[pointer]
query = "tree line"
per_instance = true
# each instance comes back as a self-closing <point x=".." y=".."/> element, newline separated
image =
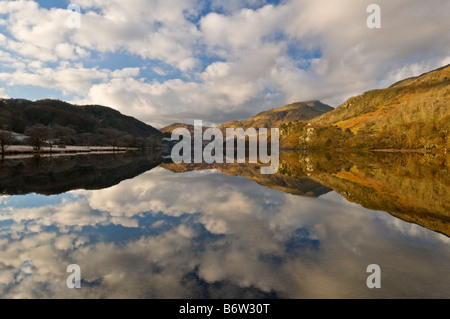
<point x="54" y="123"/>
<point x="40" y="135"/>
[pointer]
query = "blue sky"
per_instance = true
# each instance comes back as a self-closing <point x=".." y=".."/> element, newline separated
<point x="181" y="60"/>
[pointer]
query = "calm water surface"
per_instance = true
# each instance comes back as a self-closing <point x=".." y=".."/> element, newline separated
<point x="206" y="234"/>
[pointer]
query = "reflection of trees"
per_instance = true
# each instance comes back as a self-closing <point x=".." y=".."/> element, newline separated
<point x="55" y="175"/>
<point x="36" y="162"/>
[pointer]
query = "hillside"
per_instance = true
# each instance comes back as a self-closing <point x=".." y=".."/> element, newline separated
<point x="167" y="130"/>
<point x="79" y="124"/>
<point x="411" y="114"/>
<point x="273" y="118"/>
<point x="170" y="128"/>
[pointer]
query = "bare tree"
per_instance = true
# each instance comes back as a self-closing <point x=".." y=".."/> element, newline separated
<point x="63" y="135"/>
<point x="86" y="139"/>
<point x="140" y="143"/>
<point x="37" y="135"/>
<point x="126" y="140"/>
<point x="6" y="139"/>
<point x="99" y="140"/>
<point x="113" y="136"/>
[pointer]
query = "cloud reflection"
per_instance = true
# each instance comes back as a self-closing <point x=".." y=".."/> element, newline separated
<point x="208" y="235"/>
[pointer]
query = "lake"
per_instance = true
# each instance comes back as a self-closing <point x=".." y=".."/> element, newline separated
<point x="139" y="226"/>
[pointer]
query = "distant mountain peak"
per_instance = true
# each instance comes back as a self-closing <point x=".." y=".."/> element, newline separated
<point x="273" y="118"/>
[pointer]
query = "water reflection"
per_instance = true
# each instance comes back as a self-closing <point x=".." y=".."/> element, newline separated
<point x="413" y="187"/>
<point x="51" y="175"/>
<point x="205" y="234"/>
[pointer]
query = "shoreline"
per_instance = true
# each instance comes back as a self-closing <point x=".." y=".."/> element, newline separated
<point x="19" y="151"/>
<point x="44" y="155"/>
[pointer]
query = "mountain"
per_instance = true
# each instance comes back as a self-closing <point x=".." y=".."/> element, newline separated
<point x="410" y="114"/>
<point x="273" y="118"/>
<point x="17" y="115"/>
<point x="167" y="130"/>
<point x="170" y="128"/>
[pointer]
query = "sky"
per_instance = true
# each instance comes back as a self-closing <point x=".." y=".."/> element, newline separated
<point x="184" y="60"/>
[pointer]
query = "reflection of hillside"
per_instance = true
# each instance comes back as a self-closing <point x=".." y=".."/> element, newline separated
<point x="298" y="185"/>
<point x="56" y="175"/>
<point x="410" y="186"/>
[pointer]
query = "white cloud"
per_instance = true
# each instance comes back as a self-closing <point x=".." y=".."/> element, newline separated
<point x="159" y="71"/>
<point x="212" y="101"/>
<point x="65" y="77"/>
<point x="151" y="29"/>
<point x="38" y="33"/>
<point x="230" y="64"/>
<point x="124" y="73"/>
<point x="245" y="31"/>
<point x="231" y="6"/>
<point x="356" y="58"/>
<point x="3" y="94"/>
